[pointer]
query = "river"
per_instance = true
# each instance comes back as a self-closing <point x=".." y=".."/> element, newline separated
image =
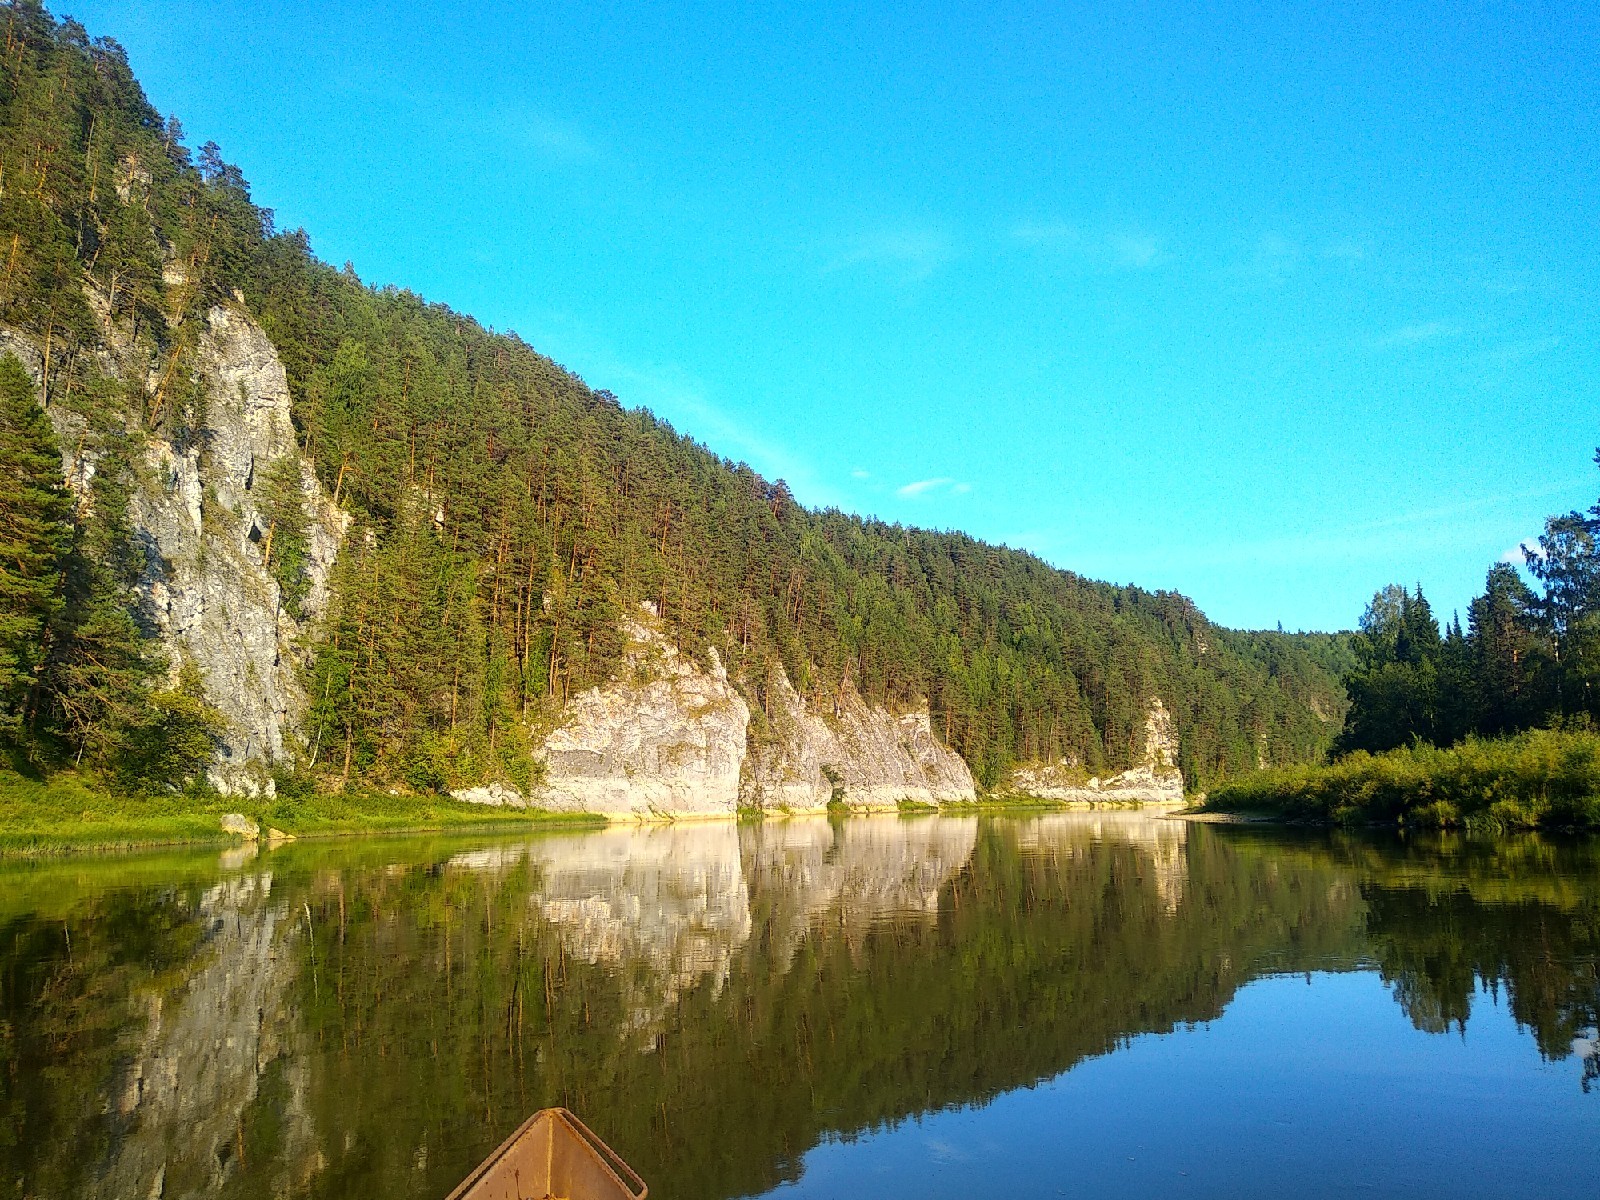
<point x="1079" y="1004"/>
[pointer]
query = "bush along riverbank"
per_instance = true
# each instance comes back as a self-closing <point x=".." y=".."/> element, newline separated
<point x="74" y="811"/>
<point x="1540" y="779"/>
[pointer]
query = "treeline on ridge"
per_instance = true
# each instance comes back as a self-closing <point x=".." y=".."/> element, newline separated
<point x="507" y="517"/>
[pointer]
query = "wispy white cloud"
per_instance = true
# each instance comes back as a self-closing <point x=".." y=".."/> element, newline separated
<point x="858" y="473"/>
<point x="912" y="253"/>
<point x="1273" y="258"/>
<point x="1490" y="368"/>
<point x="1509" y="353"/>
<point x="1412" y="335"/>
<point x="1345" y="250"/>
<point x="1120" y="249"/>
<point x="942" y="483"/>
<point x="564" y="141"/>
<point x="1522" y="553"/>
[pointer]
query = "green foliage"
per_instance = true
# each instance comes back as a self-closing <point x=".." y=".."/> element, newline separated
<point x="1525" y="660"/>
<point x="286" y="543"/>
<point x="169" y="741"/>
<point x="35" y="533"/>
<point x="1542" y="778"/>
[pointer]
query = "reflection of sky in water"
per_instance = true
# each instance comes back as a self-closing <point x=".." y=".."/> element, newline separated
<point x="1320" y="1090"/>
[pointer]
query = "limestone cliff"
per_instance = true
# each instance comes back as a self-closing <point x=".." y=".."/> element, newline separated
<point x="870" y="757"/>
<point x="1156" y="780"/>
<point x="206" y="585"/>
<point x="205" y="589"/>
<point x="664" y="739"/>
<point x="668" y="738"/>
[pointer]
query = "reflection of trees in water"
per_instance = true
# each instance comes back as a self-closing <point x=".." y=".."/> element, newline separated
<point x="780" y="982"/>
<point x="1439" y="947"/>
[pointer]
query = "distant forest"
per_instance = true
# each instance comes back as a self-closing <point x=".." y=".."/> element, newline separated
<point x="505" y="515"/>
<point x="1524" y="659"/>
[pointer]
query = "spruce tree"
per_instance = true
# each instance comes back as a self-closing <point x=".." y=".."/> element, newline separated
<point x="35" y="535"/>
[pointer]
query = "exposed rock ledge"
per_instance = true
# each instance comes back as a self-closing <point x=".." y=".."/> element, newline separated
<point x="664" y="739"/>
<point x="206" y="590"/>
<point x="1154" y="781"/>
<point x="871" y="757"/>
<point x="669" y="739"/>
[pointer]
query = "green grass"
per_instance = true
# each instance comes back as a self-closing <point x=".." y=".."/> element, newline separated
<point x="72" y="812"/>
<point x="1541" y="779"/>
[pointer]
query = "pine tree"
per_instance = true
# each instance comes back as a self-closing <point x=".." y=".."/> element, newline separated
<point x="35" y="534"/>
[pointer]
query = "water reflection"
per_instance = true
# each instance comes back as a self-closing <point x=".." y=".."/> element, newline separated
<point x="365" y="1019"/>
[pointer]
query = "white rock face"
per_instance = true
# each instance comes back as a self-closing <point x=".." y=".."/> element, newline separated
<point x="206" y="587"/>
<point x="205" y="590"/>
<point x="668" y="739"/>
<point x="1154" y="781"/>
<point x="494" y="795"/>
<point x="874" y="758"/>
<point x="665" y="739"/>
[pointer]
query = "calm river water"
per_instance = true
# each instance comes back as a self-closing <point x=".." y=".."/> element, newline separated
<point x="1083" y="1004"/>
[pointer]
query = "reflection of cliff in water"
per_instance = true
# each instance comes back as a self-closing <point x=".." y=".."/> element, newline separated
<point x="717" y="997"/>
<point x="207" y="1049"/>
<point x="843" y="878"/>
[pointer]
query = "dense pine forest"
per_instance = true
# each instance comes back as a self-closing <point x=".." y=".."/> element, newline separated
<point x="505" y="516"/>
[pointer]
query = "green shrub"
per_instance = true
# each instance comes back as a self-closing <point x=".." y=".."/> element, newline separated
<point x="1543" y="778"/>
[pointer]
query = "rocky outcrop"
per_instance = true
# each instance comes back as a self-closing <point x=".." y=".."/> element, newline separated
<point x="196" y="509"/>
<point x="493" y="795"/>
<point x="1156" y="780"/>
<point x="665" y="739"/>
<point x="669" y="738"/>
<point x="206" y="587"/>
<point x="859" y="755"/>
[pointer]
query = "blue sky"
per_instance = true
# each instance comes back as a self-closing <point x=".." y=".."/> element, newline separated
<point x="1272" y="304"/>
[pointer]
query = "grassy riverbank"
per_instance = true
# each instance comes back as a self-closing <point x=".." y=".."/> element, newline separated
<point x="1540" y="779"/>
<point x="72" y="812"/>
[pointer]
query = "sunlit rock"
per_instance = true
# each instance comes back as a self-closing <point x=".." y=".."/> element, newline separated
<point x="665" y="738"/>
<point x="857" y="754"/>
<point x="1155" y="780"/>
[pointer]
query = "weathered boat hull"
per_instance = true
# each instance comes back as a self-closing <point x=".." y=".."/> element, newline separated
<point x="553" y="1156"/>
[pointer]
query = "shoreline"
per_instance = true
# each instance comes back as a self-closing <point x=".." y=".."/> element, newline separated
<point x="68" y="816"/>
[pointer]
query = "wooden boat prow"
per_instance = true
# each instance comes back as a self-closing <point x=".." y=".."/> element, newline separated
<point x="554" y="1156"/>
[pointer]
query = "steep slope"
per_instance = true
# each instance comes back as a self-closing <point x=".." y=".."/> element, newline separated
<point x="505" y="520"/>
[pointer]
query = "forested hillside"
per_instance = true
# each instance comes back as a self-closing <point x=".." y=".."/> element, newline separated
<point x="505" y="515"/>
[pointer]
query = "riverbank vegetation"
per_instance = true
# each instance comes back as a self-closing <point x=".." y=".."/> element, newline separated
<point x="1492" y="724"/>
<point x="74" y="811"/>
<point x="1541" y="778"/>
